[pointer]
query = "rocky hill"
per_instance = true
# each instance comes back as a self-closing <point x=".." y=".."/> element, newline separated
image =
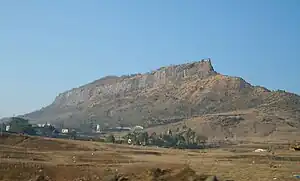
<point x="169" y="94"/>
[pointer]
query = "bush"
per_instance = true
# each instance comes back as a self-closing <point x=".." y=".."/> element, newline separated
<point x="110" y="139"/>
<point x="20" y="125"/>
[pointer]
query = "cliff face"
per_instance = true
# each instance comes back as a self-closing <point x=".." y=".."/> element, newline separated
<point x="119" y="86"/>
<point x="163" y="96"/>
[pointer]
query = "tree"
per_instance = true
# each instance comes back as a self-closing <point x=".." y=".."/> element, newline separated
<point x="153" y="135"/>
<point x="73" y="134"/>
<point x="48" y="130"/>
<point x="187" y="136"/>
<point x="169" y="132"/>
<point x="152" y="139"/>
<point x="145" y="137"/>
<point x="180" y="140"/>
<point x="2" y="128"/>
<point x="133" y="137"/>
<point x="140" y="139"/>
<point x="20" y="125"/>
<point x="193" y="137"/>
<point x="111" y="138"/>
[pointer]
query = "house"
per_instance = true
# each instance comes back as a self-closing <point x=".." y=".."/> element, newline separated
<point x="98" y="128"/>
<point x="65" y="130"/>
<point x="7" y="127"/>
<point x="43" y="125"/>
<point x="126" y="128"/>
<point x="119" y="128"/>
<point x="138" y="128"/>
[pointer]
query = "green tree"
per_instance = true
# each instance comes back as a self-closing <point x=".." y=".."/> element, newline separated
<point x="153" y="135"/>
<point x="2" y="128"/>
<point x="187" y="136"/>
<point x="169" y="132"/>
<point x="48" y="130"/>
<point x="142" y="138"/>
<point x="73" y="134"/>
<point x="20" y="125"/>
<point x="180" y="140"/>
<point x="145" y="137"/>
<point x="193" y="137"/>
<point x="152" y="138"/>
<point x="111" y="138"/>
<point x="133" y="137"/>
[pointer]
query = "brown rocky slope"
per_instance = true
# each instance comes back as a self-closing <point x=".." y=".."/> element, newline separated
<point x="167" y="95"/>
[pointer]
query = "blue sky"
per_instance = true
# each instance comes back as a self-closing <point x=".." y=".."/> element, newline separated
<point x="47" y="47"/>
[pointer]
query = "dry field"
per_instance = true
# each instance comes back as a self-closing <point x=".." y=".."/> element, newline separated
<point x="41" y="159"/>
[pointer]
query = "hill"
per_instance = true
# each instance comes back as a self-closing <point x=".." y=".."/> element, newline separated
<point x="172" y="94"/>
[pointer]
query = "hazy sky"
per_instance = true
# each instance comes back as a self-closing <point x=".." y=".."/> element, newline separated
<point x="47" y="47"/>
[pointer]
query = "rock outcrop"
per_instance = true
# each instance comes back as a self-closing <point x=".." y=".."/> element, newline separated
<point x="119" y="86"/>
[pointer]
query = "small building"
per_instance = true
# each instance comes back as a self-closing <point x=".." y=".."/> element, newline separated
<point x="126" y="128"/>
<point x="138" y="128"/>
<point x="98" y="128"/>
<point x="65" y="130"/>
<point x="123" y="128"/>
<point x="7" y="127"/>
<point x="43" y="125"/>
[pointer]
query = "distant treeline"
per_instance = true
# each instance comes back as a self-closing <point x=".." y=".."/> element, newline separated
<point x="185" y="139"/>
<point x="22" y="126"/>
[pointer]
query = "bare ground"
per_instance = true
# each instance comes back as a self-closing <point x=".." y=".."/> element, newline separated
<point x="33" y="158"/>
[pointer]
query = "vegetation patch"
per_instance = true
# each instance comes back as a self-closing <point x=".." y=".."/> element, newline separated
<point x="182" y="139"/>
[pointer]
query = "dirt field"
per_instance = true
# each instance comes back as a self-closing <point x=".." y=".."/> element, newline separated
<point x="40" y="159"/>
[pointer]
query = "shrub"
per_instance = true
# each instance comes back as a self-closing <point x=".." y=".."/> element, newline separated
<point x="111" y="139"/>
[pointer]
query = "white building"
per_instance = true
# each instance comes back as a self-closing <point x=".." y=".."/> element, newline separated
<point x="138" y="128"/>
<point x="7" y="128"/>
<point x="43" y="125"/>
<point x="65" y="130"/>
<point x="98" y="128"/>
